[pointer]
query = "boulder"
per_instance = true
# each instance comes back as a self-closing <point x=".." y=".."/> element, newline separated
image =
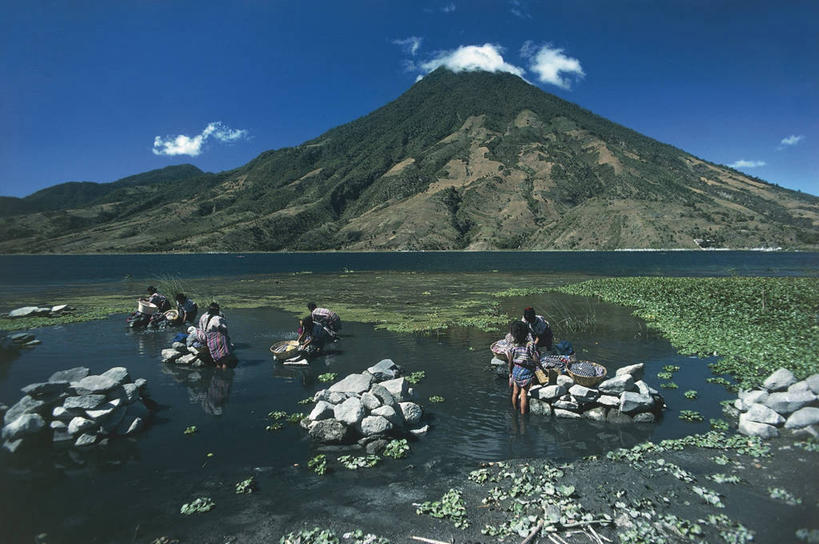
<point x="85" y="402"/>
<point x="565" y="414"/>
<point x="632" y="403"/>
<point x="98" y="413"/>
<point x="618" y="384"/>
<point x="760" y="413"/>
<point x="389" y="413"/>
<point x="566" y="404"/>
<point x="71" y="375"/>
<point x="23" y="425"/>
<point x="186" y="359"/>
<point x="61" y="413"/>
<point x="329" y="431"/>
<point x="85" y="440"/>
<point x="644" y="389"/>
<point x="786" y="403"/>
<point x="375" y="425"/>
<point x="539" y="407"/>
<point x="635" y="371"/>
<point x="741" y="405"/>
<point x="583" y="394"/>
<point x="370" y="401"/>
<point x="811" y="431"/>
<point x="645" y="417"/>
<point x="398" y="388"/>
<point x="25" y="405"/>
<point x="119" y="374"/>
<point x="752" y="428"/>
<point x="411" y="413"/>
<point x="61" y="308"/>
<point x="419" y="431"/>
<point x="91" y="385"/>
<point x="333" y="397"/>
<point x="565" y="381"/>
<point x="25" y="311"/>
<point x="779" y="380"/>
<point x="383" y="395"/>
<point x="616" y="416"/>
<point x="349" y="412"/>
<point x="499" y="362"/>
<point x="385" y="369"/>
<point x="141" y="384"/>
<point x="799" y="386"/>
<point x="803" y="417"/>
<point x="551" y="392"/>
<point x="595" y="414"/>
<point x="131" y="392"/>
<point x="753" y="397"/>
<point x="58" y="425"/>
<point x="608" y="401"/>
<point x="322" y="410"/>
<point x="354" y="383"/>
<point x="134" y="426"/>
<point x="80" y="424"/>
<point x="813" y="383"/>
<point x="45" y="389"/>
<point x="179" y="346"/>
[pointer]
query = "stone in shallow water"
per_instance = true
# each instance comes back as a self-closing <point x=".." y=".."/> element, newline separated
<point x="752" y="428"/>
<point x="752" y="397"/>
<point x="131" y="392"/>
<point x="99" y="413"/>
<point x="566" y="414"/>
<point x="779" y="380"/>
<point x="786" y="403"/>
<point x="609" y="401"/>
<point x="80" y="424"/>
<point x="583" y="394"/>
<point x="803" y="417"/>
<point x="328" y="431"/>
<point x="631" y="403"/>
<point x="24" y="311"/>
<point x="420" y="431"/>
<point x="85" y="402"/>
<point x="385" y="369"/>
<point x="58" y="425"/>
<point x="551" y="392"/>
<point x="539" y="408"/>
<point x="617" y="384"/>
<point x="759" y="413"/>
<point x="617" y="417"/>
<point x="45" y="389"/>
<point x="12" y="446"/>
<point x="563" y="404"/>
<point x="119" y="374"/>
<point x="398" y="388"/>
<point x="595" y="414"/>
<point x="141" y="383"/>
<point x="373" y="425"/>
<point x="383" y="395"/>
<point x="645" y="417"/>
<point x="411" y="412"/>
<point x="85" y="440"/>
<point x="71" y="375"/>
<point x="25" y="424"/>
<point x="25" y="405"/>
<point x="322" y="410"/>
<point x="354" y="383"/>
<point x="350" y="411"/>
<point x="635" y="371"/>
<point x="389" y="413"/>
<point x="170" y="355"/>
<point x="94" y="385"/>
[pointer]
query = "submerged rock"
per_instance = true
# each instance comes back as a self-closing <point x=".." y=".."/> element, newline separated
<point x="411" y="413"/>
<point x="25" y="424"/>
<point x="328" y="431"/>
<point x="595" y="414"/>
<point x="645" y="417"/>
<point x="45" y="389"/>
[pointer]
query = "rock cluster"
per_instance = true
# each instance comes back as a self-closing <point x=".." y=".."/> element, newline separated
<point x="782" y="401"/>
<point x="17" y="340"/>
<point x="38" y="311"/>
<point x="180" y="354"/>
<point x="76" y="409"/>
<point x="366" y="408"/>
<point x="624" y="398"/>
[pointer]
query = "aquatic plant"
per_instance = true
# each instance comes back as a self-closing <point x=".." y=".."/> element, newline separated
<point x="669" y="385"/>
<point x="316" y="535"/>
<point x="721" y="460"/>
<point x="190" y="429"/>
<point x="777" y="493"/>
<point x="808" y="535"/>
<point x="691" y="394"/>
<point x="690" y="415"/>
<point x="277" y="426"/>
<point x="397" y="449"/>
<point x="308" y="400"/>
<point x="246" y="486"/>
<point x="359" y="537"/>
<point x="318" y="464"/>
<point x="451" y="506"/>
<point x="202" y="504"/>
<point x="807" y="446"/>
<point x="295" y="417"/>
<point x="730" y="531"/>
<point x="719" y="380"/>
<point x="721" y="478"/>
<point x="415" y="377"/>
<point x="354" y="463"/>
<point x="436" y="399"/>
<point x="277" y="414"/>
<point x="709" y="496"/>
<point x="719" y="424"/>
<point x="327" y="376"/>
<point x="664" y="375"/>
<point x="671" y="368"/>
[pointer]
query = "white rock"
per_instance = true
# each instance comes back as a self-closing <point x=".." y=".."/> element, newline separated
<point x="760" y="413"/>
<point x="349" y="412"/>
<point x="136" y="425"/>
<point x="119" y="374"/>
<point x="779" y="380"/>
<point x="411" y="412"/>
<point x="752" y="428"/>
<point x="131" y="392"/>
<point x="179" y="346"/>
<point x="389" y="413"/>
<point x="813" y="383"/>
<point x="539" y="407"/>
<point x="71" y="375"/>
<point x="753" y="397"/>
<point x="583" y="394"/>
<point x="170" y="355"/>
<point x="645" y="417"/>
<point x="58" y="425"/>
<point x="370" y="401"/>
<point x="25" y="311"/>
<point x="25" y="405"/>
<point x="595" y="414"/>
<point x="803" y="417"/>
<point x="618" y="384"/>
<point x="420" y="431"/>
<point x="23" y="425"/>
<point x="186" y="359"/>
<point x="785" y="403"/>
<point x="565" y="414"/>
<point x="85" y="440"/>
<point x="385" y="369"/>
<point x="84" y="402"/>
<point x="609" y="401"/>
<point x="566" y="405"/>
<point x="354" y="383"/>
<point x="383" y="395"/>
<point x="741" y="405"/>
<point x="322" y="410"/>
<point x="799" y="386"/>
<point x="644" y="389"/>
<point x="101" y="412"/>
<point x="80" y="424"/>
<point x="551" y="392"/>
<point x="565" y="381"/>
<point x="141" y="384"/>
<point x="372" y="425"/>
<point x="94" y="385"/>
<point x="498" y="362"/>
<point x="631" y="403"/>
<point x="398" y="388"/>
<point x="61" y="413"/>
<point x="635" y="371"/>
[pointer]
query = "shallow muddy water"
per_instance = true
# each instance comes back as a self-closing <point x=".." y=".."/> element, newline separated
<point x="134" y="487"/>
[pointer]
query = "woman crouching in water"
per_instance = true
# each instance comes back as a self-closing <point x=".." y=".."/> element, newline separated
<point x="523" y="360"/>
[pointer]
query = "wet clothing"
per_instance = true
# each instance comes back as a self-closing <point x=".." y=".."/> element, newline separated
<point x="160" y="302"/>
<point x="318" y="337"/>
<point x="213" y="331"/>
<point x="524" y="360"/>
<point x="541" y="330"/>
<point x="188" y="309"/>
<point x="328" y="318"/>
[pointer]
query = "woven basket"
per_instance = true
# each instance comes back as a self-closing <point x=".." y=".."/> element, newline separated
<point x="587" y="381"/>
<point x="284" y="350"/>
<point x="172" y="315"/>
<point x="499" y="354"/>
<point x="146" y="307"/>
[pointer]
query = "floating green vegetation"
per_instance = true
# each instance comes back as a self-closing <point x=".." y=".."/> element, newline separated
<point x="691" y="394"/>
<point x="354" y="463"/>
<point x="779" y="494"/>
<point x="721" y="460"/>
<point x="318" y="464"/>
<point x="316" y="535"/>
<point x="327" y="377"/>
<point x="436" y="399"/>
<point x="691" y="415"/>
<point x="277" y="414"/>
<point x="416" y="377"/>
<point x="807" y="446"/>
<point x="721" y="478"/>
<point x="246" y="486"/>
<point x="661" y="465"/>
<point x="190" y="429"/>
<point x="671" y="368"/>
<point x="295" y="417"/>
<point x="748" y="321"/>
<point x="719" y="424"/>
<point x="202" y="504"/>
<point x="709" y="496"/>
<point x="308" y="400"/>
<point x="359" y="537"/>
<point x="719" y="380"/>
<point x="732" y="532"/>
<point x="669" y="385"/>
<point x="811" y="536"/>
<point x="277" y="426"/>
<point x="397" y="449"/>
<point x="664" y="375"/>
<point x="451" y="506"/>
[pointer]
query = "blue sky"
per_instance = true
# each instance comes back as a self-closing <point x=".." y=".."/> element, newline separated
<point x="101" y="90"/>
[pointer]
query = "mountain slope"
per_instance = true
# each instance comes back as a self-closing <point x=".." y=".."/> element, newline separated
<point x="470" y="160"/>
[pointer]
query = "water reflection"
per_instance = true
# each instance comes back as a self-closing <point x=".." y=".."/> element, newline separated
<point x="208" y="387"/>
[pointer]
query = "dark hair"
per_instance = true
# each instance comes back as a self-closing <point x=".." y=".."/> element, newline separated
<point x="152" y="289"/>
<point x="519" y="331"/>
<point x="213" y="309"/>
<point x="311" y="306"/>
<point x="181" y="297"/>
<point x="307" y="323"/>
<point x="529" y="314"/>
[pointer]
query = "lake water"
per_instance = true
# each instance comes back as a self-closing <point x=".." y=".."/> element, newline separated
<point x="132" y="489"/>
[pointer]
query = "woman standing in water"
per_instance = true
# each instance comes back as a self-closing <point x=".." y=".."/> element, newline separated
<point x="523" y="359"/>
<point x="213" y="329"/>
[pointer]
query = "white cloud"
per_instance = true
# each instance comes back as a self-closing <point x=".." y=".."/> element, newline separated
<point x="470" y="58"/>
<point x="549" y="63"/>
<point x="409" y="45"/>
<point x="742" y="163"/>
<point x="449" y="8"/>
<point x="187" y="145"/>
<point x="518" y="9"/>
<point x="791" y="140"/>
